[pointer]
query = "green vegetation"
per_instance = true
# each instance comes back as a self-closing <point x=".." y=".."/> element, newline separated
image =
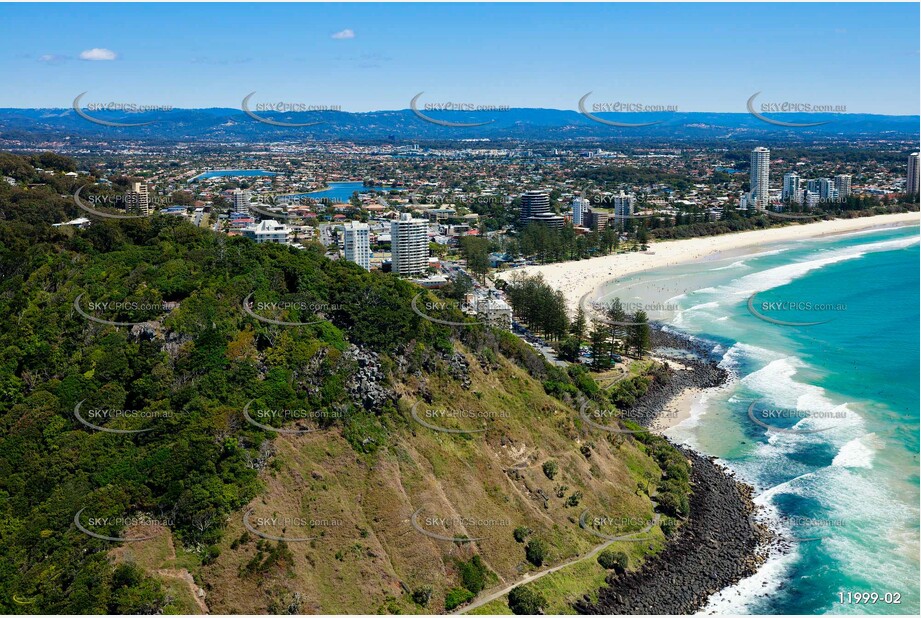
<point x="536" y="552"/>
<point x="525" y="601"/>
<point x="613" y="560"/>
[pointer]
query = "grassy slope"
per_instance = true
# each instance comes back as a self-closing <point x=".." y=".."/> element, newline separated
<point x="447" y="475"/>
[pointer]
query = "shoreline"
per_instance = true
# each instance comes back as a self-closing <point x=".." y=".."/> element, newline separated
<point x="719" y="544"/>
<point x="580" y="280"/>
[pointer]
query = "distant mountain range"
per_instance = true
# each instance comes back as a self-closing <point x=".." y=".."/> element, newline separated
<point x="229" y="125"/>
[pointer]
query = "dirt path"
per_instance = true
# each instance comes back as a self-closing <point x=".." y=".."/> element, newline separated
<point x="530" y="577"/>
<point x="197" y="593"/>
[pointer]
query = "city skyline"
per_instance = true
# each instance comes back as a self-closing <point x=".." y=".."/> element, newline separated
<point x="370" y="58"/>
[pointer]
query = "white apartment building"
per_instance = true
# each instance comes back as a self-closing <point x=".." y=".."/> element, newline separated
<point x="409" y="245"/>
<point x="268" y="230"/>
<point x="843" y="185"/>
<point x="759" y="195"/>
<point x="356" y="243"/>
<point x="241" y="201"/>
<point x="623" y="205"/>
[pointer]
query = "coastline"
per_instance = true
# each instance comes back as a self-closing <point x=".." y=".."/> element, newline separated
<point x="579" y="280"/>
<point x="720" y="544"/>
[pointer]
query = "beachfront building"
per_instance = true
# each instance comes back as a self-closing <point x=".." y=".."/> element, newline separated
<point x="268" y="230"/>
<point x="911" y="184"/>
<point x="137" y="200"/>
<point x="827" y="190"/>
<point x="759" y="195"/>
<point x="534" y="204"/>
<point x="791" y="190"/>
<point x="494" y="311"/>
<point x="357" y="243"/>
<point x="409" y="245"/>
<point x="623" y="205"/>
<point x="843" y="186"/>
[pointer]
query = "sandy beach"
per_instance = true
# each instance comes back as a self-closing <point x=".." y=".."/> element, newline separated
<point x="578" y="280"/>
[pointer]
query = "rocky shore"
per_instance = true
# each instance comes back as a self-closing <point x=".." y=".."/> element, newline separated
<point x="690" y="366"/>
<point x="719" y="544"/>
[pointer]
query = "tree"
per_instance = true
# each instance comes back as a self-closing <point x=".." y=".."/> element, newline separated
<point x="616" y="560"/>
<point x="535" y="552"/>
<point x="638" y="334"/>
<point x="617" y="325"/>
<point x="579" y="324"/>
<point x="525" y="601"/>
<point x="570" y="348"/>
<point x="601" y="358"/>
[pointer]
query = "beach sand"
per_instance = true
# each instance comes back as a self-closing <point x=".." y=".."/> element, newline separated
<point x="579" y="280"/>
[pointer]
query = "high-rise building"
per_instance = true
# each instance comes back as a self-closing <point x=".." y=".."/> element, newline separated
<point x="760" y="177"/>
<point x="241" y="201"/>
<point x="597" y="220"/>
<point x="827" y="190"/>
<point x="843" y="185"/>
<point x="790" y="187"/>
<point x="812" y="199"/>
<point x="409" y="245"/>
<point x="623" y="205"/>
<point x="579" y="208"/>
<point x="533" y="204"/>
<point x="137" y="199"/>
<point x="357" y="243"/>
<point x="911" y="183"/>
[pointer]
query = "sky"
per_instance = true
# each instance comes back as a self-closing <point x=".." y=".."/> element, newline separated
<point x="364" y="57"/>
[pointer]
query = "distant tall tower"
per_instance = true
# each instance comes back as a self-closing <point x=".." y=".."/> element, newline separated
<point x="357" y="244"/>
<point x="534" y="203"/>
<point x="760" y="173"/>
<point x="843" y="185"/>
<point x="911" y="186"/>
<point x="137" y="199"/>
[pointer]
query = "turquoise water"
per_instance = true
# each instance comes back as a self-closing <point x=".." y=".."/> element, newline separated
<point x="223" y="173"/>
<point x="842" y="483"/>
<point x="341" y="191"/>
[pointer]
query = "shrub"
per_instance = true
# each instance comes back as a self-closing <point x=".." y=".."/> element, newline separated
<point x="521" y="533"/>
<point x="616" y="560"/>
<point x="526" y="601"/>
<point x="457" y="596"/>
<point x="535" y="552"/>
<point x="473" y="574"/>
<point x="422" y="595"/>
<point x="550" y="469"/>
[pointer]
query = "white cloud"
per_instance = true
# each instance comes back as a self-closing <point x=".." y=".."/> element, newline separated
<point x="98" y="53"/>
<point x="348" y="33"/>
<point x="52" y="58"/>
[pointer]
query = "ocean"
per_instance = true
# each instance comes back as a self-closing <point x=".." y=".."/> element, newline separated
<point x="821" y="415"/>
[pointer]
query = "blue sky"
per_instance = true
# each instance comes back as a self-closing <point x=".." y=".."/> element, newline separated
<point x="699" y="57"/>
